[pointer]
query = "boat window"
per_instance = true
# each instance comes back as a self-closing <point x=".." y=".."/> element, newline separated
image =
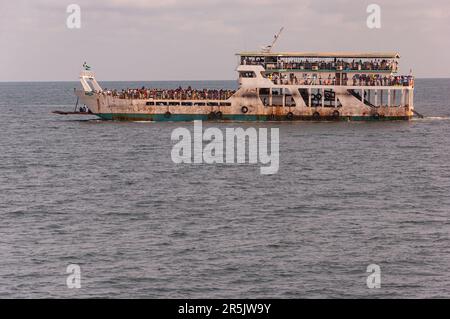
<point x="329" y="98"/>
<point x="264" y="99"/>
<point x="264" y="91"/>
<point x="277" y="97"/>
<point x="199" y="103"/>
<point x="186" y="103"/>
<point x="289" y="101"/>
<point x="174" y="103"/>
<point x="305" y="95"/>
<point x="213" y="104"/>
<point x="150" y="103"/>
<point x="316" y="97"/>
<point x="247" y="74"/>
<point x="161" y="103"/>
<point x="277" y="91"/>
<point x="225" y="104"/>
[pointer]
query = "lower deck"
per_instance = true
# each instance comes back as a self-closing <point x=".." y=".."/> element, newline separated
<point x="281" y="103"/>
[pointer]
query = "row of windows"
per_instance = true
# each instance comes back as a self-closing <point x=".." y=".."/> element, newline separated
<point x="275" y="91"/>
<point x="314" y="97"/>
<point x="247" y="74"/>
<point x="184" y="103"/>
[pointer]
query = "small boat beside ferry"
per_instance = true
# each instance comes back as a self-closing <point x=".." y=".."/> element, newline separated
<point x="282" y="86"/>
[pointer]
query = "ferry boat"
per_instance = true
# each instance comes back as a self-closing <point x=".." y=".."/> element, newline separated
<point x="283" y="86"/>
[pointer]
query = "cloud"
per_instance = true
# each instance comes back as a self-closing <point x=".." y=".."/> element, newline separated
<point x="139" y="38"/>
<point x="144" y="3"/>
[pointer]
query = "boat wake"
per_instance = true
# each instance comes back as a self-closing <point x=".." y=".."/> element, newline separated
<point x="432" y="118"/>
<point x="437" y="118"/>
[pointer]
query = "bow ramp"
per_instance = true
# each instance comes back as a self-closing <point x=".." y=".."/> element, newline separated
<point x="90" y="86"/>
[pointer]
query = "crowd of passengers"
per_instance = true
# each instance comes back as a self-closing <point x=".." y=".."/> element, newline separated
<point x="336" y="64"/>
<point x="357" y="80"/>
<point x="170" y="94"/>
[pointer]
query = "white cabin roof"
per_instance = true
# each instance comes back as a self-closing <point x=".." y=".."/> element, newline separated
<point x="340" y="55"/>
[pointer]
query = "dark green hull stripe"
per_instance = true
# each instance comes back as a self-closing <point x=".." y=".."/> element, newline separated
<point x="238" y="117"/>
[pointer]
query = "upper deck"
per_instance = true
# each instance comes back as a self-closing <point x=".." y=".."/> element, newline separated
<point x="326" y="62"/>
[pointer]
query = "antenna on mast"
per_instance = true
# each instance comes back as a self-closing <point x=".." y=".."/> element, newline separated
<point x="268" y="48"/>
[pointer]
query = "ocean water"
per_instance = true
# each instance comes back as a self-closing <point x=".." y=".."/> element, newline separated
<point x="107" y="196"/>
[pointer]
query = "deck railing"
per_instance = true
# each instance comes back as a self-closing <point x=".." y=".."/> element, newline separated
<point x="179" y="94"/>
<point x="328" y="66"/>
<point x="398" y="81"/>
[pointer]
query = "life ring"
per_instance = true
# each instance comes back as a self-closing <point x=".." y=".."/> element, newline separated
<point x="244" y="109"/>
<point x="290" y="116"/>
<point x="336" y="114"/>
<point x="167" y="115"/>
<point x="219" y="114"/>
<point x="316" y="116"/>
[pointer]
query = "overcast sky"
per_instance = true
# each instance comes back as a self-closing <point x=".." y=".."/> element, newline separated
<point x="197" y="39"/>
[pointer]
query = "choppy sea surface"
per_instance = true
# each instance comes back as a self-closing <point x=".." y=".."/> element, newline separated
<point x="107" y="196"/>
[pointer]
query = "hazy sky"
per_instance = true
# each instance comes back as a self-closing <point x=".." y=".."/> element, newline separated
<point x="197" y="39"/>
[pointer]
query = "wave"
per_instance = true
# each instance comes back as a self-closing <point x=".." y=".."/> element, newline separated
<point x="431" y="118"/>
<point x="437" y="118"/>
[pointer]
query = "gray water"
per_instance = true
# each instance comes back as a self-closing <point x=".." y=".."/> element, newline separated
<point x="107" y="196"/>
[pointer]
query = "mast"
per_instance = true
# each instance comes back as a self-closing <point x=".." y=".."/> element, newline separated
<point x="268" y="48"/>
